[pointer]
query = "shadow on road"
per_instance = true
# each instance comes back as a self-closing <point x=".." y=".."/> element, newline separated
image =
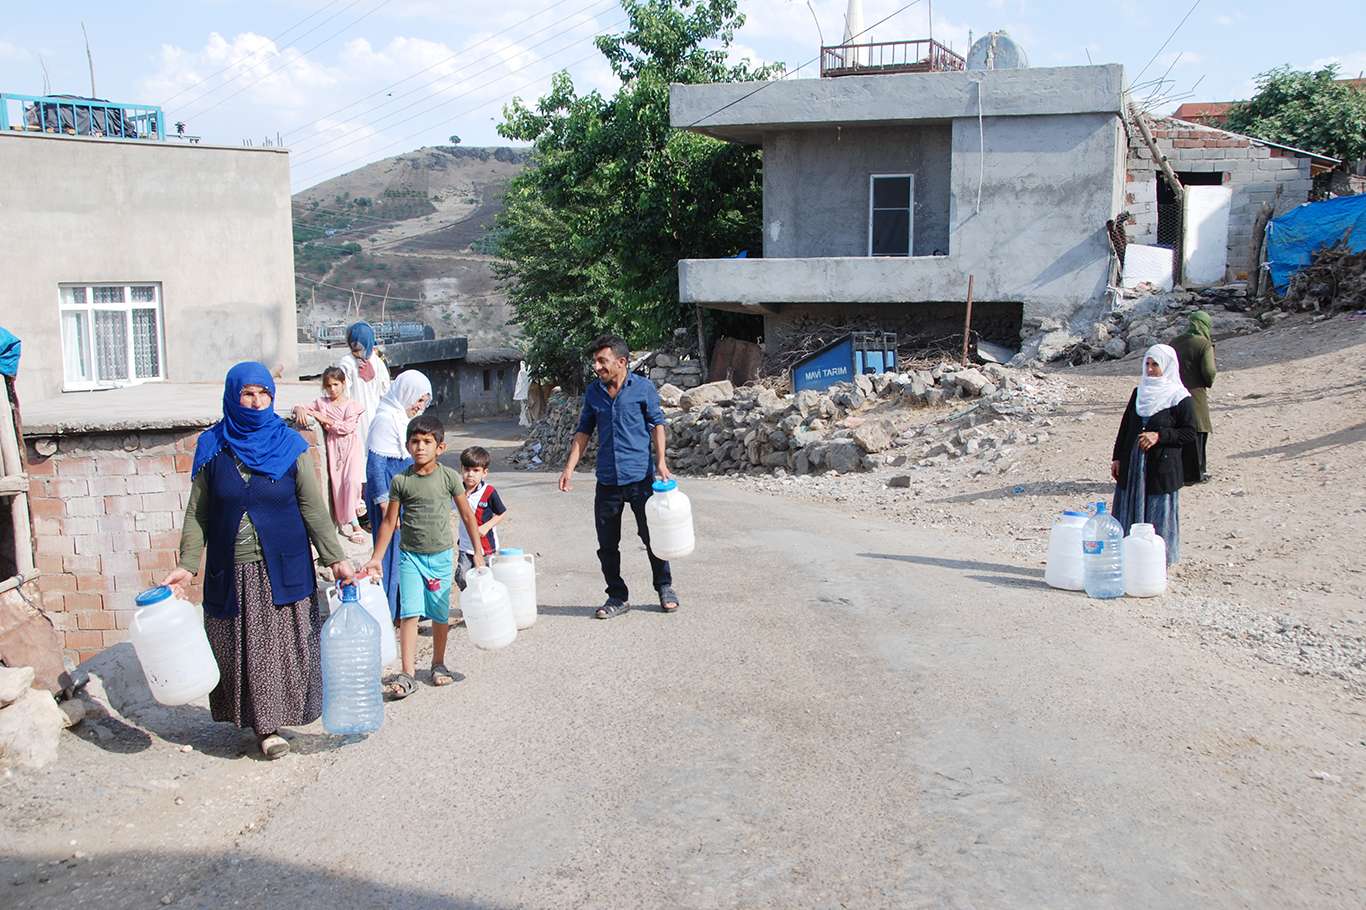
<point x="567" y="610"/>
<point x="1038" y="488"/>
<point x="1319" y="444"/>
<point x="199" y="880"/>
<point x="1006" y="581"/>
<point x="965" y="565"/>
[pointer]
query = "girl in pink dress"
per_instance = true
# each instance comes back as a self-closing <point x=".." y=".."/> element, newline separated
<point x="340" y="417"/>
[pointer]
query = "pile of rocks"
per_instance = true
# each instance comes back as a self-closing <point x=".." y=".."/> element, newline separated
<point x="1135" y="322"/>
<point x="664" y="368"/>
<point x="547" y="442"/>
<point x="31" y="722"/>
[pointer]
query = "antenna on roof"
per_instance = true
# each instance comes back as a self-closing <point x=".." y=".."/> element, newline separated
<point x="47" y="82"/>
<point x="90" y="59"/>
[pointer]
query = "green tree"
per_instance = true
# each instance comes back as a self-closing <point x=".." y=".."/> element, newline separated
<point x="593" y="230"/>
<point x="1309" y="110"/>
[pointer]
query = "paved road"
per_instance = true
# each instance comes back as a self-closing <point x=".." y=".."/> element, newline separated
<point x="843" y="714"/>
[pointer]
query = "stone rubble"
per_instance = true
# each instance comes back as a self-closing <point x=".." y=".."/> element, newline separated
<point x="30" y="726"/>
<point x="920" y="418"/>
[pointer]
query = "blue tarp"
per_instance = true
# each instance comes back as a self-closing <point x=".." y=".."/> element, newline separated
<point x="1293" y="238"/>
<point x="9" y="353"/>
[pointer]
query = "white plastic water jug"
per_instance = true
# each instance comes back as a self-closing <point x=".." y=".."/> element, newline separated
<point x="1064" y="552"/>
<point x="1145" y="562"/>
<point x="168" y="637"/>
<point x="516" y="571"/>
<point x="668" y="515"/>
<point x="488" y="612"/>
<point x="376" y="604"/>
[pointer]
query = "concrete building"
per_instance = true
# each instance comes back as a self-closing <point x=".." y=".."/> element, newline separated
<point x="140" y="260"/>
<point x="488" y="379"/>
<point x="884" y="192"/>
<point x="1255" y="170"/>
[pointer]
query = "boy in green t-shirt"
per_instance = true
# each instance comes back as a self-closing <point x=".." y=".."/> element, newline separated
<point x="425" y="566"/>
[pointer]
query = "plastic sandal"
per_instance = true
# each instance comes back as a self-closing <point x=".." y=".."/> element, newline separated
<point x="401" y="686"/>
<point x="668" y="600"/>
<point x="441" y="676"/>
<point x="612" y="608"/>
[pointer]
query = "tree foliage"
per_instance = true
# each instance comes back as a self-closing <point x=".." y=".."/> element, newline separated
<point x="592" y="232"/>
<point x="1308" y="110"/>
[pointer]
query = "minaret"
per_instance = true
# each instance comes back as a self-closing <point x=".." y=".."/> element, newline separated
<point x="853" y="26"/>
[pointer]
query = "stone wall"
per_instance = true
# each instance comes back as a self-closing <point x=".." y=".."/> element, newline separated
<point x="1253" y="170"/>
<point x="107" y="510"/>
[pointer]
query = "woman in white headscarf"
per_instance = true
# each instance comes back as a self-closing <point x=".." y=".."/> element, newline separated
<point x="1147" y="462"/>
<point x="388" y="456"/>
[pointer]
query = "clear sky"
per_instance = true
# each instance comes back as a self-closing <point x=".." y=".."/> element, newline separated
<point x="321" y="74"/>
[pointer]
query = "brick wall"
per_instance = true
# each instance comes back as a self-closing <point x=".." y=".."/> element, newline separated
<point x="107" y="510"/>
<point x="1252" y="170"/>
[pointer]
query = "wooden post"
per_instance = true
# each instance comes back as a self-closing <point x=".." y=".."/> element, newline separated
<point x="967" y="323"/>
<point x="12" y="467"/>
<point x="701" y="344"/>
<point x="1254" y="276"/>
<point x="1159" y="159"/>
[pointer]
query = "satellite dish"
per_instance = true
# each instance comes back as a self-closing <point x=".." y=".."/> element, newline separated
<point x="997" y="51"/>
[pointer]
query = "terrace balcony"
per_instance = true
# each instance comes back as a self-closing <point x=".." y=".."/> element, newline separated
<point x="922" y="55"/>
<point x="71" y="115"/>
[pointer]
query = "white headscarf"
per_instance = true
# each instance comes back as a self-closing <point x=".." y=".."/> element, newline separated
<point x="1157" y="393"/>
<point x="388" y="429"/>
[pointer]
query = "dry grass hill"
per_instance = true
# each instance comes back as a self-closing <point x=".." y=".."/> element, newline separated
<point x="418" y="226"/>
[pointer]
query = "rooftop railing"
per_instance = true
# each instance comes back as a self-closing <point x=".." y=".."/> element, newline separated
<point x="70" y="115"/>
<point x="923" y="55"/>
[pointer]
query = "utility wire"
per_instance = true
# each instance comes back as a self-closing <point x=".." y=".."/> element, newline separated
<point x="373" y="293"/>
<point x="410" y="137"/>
<point x="288" y="63"/>
<point x="444" y="60"/>
<point x="273" y="40"/>
<point x="1169" y="39"/>
<point x="328" y="145"/>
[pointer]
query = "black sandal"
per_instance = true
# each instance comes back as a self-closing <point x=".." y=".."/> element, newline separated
<point x="668" y="600"/>
<point x="612" y="608"/>
<point x="400" y="687"/>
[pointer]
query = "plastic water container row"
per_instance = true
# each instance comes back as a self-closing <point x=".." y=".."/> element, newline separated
<point x="1087" y="551"/>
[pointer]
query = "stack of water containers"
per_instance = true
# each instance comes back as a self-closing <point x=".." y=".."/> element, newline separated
<point x="1093" y="555"/>
<point x="352" y="701"/>
<point x="168" y="637"/>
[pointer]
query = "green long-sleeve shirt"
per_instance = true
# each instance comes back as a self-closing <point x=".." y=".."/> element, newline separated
<point x="312" y="506"/>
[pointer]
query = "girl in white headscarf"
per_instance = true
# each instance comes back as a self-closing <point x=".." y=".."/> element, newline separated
<point x="388" y="456"/>
<point x="1147" y="462"/>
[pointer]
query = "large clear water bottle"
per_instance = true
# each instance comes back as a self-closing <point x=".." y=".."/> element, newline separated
<point x="352" y="701"/>
<point x="1102" y="544"/>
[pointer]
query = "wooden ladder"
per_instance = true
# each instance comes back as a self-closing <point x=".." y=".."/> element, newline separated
<point x="14" y="492"/>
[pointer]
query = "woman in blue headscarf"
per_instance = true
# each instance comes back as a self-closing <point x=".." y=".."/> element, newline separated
<point x="367" y="377"/>
<point x="255" y="506"/>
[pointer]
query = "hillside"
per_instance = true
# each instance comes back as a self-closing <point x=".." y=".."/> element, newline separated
<point x="417" y="225"/>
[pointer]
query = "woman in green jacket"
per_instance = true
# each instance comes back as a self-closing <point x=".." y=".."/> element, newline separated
<point x="1195" y="354"/>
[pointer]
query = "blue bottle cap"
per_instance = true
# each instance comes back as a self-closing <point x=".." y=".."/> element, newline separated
<point x="664" y="486"/>
<point x="509" y="551"/>
<point x="1100" y="508"/>
<point x="153" y="596"/>
<point x="350" y="594"/>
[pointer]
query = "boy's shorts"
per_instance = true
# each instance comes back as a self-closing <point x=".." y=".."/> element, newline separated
<point x="415" y="597"/>
<point x="463" y="565"/>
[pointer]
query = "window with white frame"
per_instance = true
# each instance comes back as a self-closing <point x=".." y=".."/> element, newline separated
<point x="111" y="335"/>
<point x="891" y="214"/>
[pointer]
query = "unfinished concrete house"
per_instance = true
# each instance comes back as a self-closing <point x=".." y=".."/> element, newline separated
<point x="898" y="173"/>
<point x="139" y="267"/>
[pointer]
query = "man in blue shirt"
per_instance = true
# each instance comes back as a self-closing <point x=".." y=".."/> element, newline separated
<point x="624" y="409"/>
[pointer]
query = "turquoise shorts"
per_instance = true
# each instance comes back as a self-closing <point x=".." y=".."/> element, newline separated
<point x="418" y="574"/>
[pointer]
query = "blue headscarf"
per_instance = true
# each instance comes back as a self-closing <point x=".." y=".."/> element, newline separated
<point x="262" y="441"/>
<point x="9" y="353"/>
<point x="362" y="334"/>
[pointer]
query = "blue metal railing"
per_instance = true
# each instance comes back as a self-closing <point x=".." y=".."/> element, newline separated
<point x="74" y="116"/>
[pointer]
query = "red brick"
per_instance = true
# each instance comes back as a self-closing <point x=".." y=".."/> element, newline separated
<point x="152" y="483"/>
<point x="77" y="565"/>
<point x="65" y="488"/>
<point x="156" y="522"/>
<point x="113" y="636"/>
<point x="84" y="601"/>
<point x="130" y="582"/>
<point x="46" y="564"/>
<point x="81" y="640"/>
<point x="166" y="540"/>
<point x="187" y="443"/>
<point x="183" y="463"/>
<point x="116" y="524"/>
<point x="48" y="527"/>
<point x="94" y="619"/>
<point x="108" y="486"/>
<point x="118" y="563"/>
<point x="116" y="466"/>
<point x="46" y="508"/>
<point x="156" y="464"/>
<point x="77" y="527"/>
<point x="99" y="584"/>
<point x="61" y="582"/>
<point x="123" y="505"/>
<point x="54" y="601"/>
<point x="84" y="654"/>
<point x="162" y="502"/>
<point x="157" y="559"/>
<point x="42" y="467"/>
<point x="123" y="618"/>
<point x="76" y="467"/>
<point x="1185" y="143"/>
<point x="62" y="620"/>
<point x="85" y="506"/>
<point x="51" y="545"/>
